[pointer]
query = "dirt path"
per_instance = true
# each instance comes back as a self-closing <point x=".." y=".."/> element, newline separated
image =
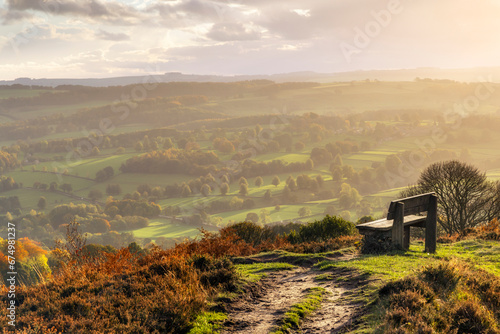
<point x="259" y="311"/>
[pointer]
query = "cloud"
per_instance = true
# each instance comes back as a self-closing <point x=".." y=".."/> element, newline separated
<point x="192" y="12"/>
<point x="232" y="32"/>
<point x="13" y="16"/>
<point x="111" y="11"/>
<point x="109" y="36"/>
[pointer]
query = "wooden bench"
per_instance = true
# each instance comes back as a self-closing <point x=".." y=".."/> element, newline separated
<point x="401" y="216"/>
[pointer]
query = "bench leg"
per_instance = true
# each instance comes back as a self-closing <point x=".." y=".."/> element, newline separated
<point x="397" y="226"/>
<point x="431" y="226"/>
<point x="406" y="243"/>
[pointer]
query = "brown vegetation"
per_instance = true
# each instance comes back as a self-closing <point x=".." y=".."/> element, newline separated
<point x="451" y="297"/>
<point x="129" y="292"/>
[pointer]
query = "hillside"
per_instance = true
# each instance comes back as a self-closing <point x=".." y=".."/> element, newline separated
<point x="465" y="75"/>
<point x="303" y="150"/>
<point x="217" y="285"/>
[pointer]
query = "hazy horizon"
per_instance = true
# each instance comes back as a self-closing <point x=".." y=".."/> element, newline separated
<point x="98" y="39"/>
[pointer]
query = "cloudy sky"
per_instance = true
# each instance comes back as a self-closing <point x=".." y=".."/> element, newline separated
<point x="102" y="38"/>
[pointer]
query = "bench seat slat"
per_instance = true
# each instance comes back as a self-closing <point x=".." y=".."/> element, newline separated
<point x="386" y="225"/>
<point x="414" y="204"/>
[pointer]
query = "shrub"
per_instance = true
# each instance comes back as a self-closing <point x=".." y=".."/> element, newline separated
<point x="216" y="273"/>
<point x="327" y="228"/>
<point x="471" y="317"/>
<point x="377" y="244"/>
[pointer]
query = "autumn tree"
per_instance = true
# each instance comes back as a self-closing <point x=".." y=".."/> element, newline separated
<point x="224" y="188"/>
<point x="42" y="203"/>
<point x="66" y="187"/>
<point x="267" y="195"/>
<point x="286" y="193"/>
<point x="337" y="161"/>
<point x="276" y="181"/>
<point x="291" y="183"/>
<point x="309" y="164"/>
<point x="31" y="261"/>
<point x="224" y="179"/>
<point x="223" y="145"/>
<point x="320" y="180"/>
<point x="167" y="143"/>
<point x="349" y="196"/>
<point x="185" y="190"/>
<point x="259" y="181"/>
<point x="105" y="174"/>
<point x="243" y="189"/>
<point x="337" y="174"/>
<point x="299" y="146"/>
<point x="95" y="194"/>
<point x="304" y="211"/>
<point x="252" y="217"/>
<point x="264" y="216"/>
<point x="139" y="147"/>
<point x="113" y="189"/>
<point x="205" y="190"/>
<point x="243" y="180"/>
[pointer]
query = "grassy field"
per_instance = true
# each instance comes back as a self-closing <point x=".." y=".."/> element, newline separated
<point x="37" y="111"/>
<point x="482" y="253"/>
<point x="29" y="199"/>
<point x="363" y="98"/>
<point x="362" y="276"/>
<point x="165" y="228"/>
<point x="288" y="157"/>
<point x="29" y="178"/>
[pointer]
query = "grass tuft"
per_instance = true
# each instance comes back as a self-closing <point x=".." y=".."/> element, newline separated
<point x="208" y="322"/>
<point x="299" y="311"/>
<point x="256" y="271"/>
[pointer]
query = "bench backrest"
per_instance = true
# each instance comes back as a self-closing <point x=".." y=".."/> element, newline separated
<point x="412" y="205"/>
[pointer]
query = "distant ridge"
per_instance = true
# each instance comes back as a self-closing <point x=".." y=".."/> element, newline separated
<point x="463" y="75"/>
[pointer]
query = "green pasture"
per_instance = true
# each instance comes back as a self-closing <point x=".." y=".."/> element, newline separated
<point x="286" y="212"/>
<point x="166" y="228"/>
<point x="80" y="134"/>
<point x="28" y="178"/>
<point x="395" y="265"/>
<point x="87" y="167"/>
<point x="288" y="157"/>
<point x="91" y="166"/>
<point x="40" y="111"/>
<point x="366" y="158"/>
<point x="130" y="181"/>
<point x="29" y="198"/>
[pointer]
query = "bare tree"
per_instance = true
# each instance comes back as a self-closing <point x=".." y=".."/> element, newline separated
<point x="465" y="197"/>
<point x="493" y="207"/>
<point x="75" y="242"/>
